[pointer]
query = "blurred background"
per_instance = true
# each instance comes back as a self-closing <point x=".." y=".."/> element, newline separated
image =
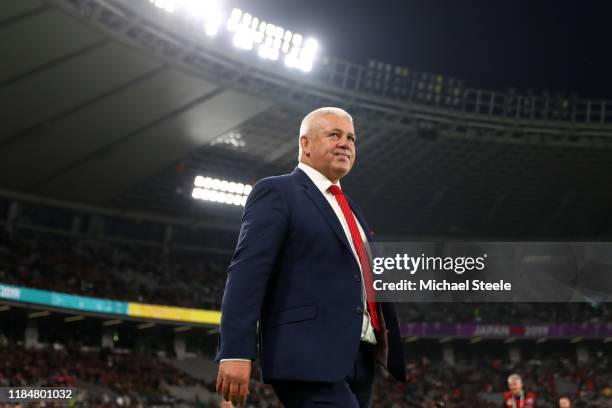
<point x="133" y="130"/>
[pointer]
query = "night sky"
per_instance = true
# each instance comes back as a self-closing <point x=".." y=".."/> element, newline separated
<point x="537" y="45"/>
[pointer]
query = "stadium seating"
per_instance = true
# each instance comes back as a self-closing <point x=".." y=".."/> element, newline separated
<point x="130" y="378"/>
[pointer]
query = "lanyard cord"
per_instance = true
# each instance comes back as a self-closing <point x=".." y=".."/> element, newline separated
<point x="520" y="402"/>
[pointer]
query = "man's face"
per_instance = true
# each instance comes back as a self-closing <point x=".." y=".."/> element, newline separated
<point x="515" y="386"/>
<point x="564" y="403"/>
<point x="331" y="146"/>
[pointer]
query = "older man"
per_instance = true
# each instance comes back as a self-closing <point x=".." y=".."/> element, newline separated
<point x="301" y="278"/>
<point x="516" y="397"/>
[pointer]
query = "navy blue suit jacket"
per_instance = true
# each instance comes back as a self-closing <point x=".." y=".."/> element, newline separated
<point x="294" y="272"/>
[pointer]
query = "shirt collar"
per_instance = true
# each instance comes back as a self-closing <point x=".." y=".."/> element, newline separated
<point x="317" y="178"/>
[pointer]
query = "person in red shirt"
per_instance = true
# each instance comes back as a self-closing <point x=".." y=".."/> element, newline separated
<point x="516" y="397"/>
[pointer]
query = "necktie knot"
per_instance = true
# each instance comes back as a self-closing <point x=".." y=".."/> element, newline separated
<point x="335" y="190"/>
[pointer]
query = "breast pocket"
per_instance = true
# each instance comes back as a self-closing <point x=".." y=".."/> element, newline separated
<point x="292" y="315"/>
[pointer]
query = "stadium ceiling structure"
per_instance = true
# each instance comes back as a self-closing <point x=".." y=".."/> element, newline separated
<point x="118" y="103"/>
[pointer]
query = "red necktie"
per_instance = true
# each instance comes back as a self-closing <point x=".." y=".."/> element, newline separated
<point x="361" y="253"/>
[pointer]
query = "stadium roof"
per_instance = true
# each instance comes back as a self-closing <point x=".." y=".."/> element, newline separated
<point x="544" y="45"/>
<point x="114" y="103"/>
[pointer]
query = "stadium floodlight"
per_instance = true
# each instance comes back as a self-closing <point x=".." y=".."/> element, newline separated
<point x="220" y="191"/>
<point x="302" y="58"/>
<point x="167" y="5"/>
<point x="248" y="32"/>
<point x="234" y="20"/>
<point x="271" y="40"/>
<point x="243" y="38"/>
<point x="207" y="13"/>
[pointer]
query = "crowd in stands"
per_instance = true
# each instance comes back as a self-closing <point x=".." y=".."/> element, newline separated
<point x="105" y="378"/>
<point x="123" y="259"/>
<point x="478" y="381"/>
<point x="101" y="377"/>
<point x="506" y="313"/>
<point x="100" y="269"/>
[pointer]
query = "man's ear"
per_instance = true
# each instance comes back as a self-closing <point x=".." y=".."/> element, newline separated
<point x="305" y="144"/>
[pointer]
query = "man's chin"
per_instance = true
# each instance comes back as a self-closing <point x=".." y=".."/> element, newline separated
<point x="341" y="171"/>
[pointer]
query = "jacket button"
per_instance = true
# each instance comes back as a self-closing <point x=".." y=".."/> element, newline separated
<point x="359" y="310"/>
<point x="357" y="278"/>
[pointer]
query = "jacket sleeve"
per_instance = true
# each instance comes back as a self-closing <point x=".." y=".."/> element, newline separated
<point x="264" y="226"/>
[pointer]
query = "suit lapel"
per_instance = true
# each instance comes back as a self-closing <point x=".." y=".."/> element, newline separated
<point x="360" y="218"/>
<point x="323" y="206"/>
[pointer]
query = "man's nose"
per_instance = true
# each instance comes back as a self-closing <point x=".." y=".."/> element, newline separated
<point x="343" y="147"/>
<point x="343" y="142"/>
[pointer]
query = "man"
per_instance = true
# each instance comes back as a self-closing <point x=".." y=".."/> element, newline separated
<point x="564" y="402"/>
<point x="299" y="277"/>
<point x="516" y="397"/>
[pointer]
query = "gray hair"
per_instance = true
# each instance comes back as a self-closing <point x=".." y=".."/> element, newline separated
<point x="306" y="125"/>
<point x="514" y="377"/>
<point x="307" y="122"/>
